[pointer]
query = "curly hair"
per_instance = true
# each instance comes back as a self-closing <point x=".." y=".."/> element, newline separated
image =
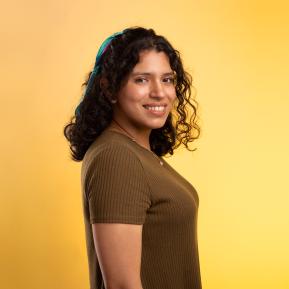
<point x="96" y="111"/>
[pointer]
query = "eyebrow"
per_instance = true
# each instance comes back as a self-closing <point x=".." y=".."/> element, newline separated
<point x="148" y="73"/>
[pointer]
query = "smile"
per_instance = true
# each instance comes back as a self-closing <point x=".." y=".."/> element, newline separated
<point x="155" y="108"/>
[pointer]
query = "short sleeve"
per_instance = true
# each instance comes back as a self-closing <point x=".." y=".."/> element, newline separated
<point x="116" y="187"/>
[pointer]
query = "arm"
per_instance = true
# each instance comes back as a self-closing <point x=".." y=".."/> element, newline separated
<point x="118" y="248"/>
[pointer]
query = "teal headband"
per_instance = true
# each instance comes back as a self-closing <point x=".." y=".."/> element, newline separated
<point x="95" y="70"/>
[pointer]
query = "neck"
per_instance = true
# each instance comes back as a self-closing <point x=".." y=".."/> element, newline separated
<point x="141" y="138"/>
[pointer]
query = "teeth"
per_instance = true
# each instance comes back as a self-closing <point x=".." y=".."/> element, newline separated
<point x="158" y="108"/>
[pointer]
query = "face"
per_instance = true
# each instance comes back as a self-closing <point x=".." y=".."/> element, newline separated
<point x="147" y="96"/>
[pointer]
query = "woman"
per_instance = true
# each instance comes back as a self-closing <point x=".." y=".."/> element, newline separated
<point x="140" y="215"/>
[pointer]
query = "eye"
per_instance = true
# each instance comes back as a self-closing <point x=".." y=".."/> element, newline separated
<point x="140" y="80"/>
<point x="170" y="79"/>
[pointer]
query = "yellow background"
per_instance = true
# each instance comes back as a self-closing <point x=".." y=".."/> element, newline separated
<point x="237" y="53"/>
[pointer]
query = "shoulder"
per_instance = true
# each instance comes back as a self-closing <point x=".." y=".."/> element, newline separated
<point x="117" y="153"/>
<point x="114" y="150"/>
<point x="114" y="157"/>
<point x="107" y="143"/>
<point x="114" y="168"/>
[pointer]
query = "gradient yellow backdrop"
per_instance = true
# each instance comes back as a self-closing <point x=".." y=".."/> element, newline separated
<point x="237" y="53"/>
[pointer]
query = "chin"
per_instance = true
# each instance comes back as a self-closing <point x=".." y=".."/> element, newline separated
<point x="157" y="125"/>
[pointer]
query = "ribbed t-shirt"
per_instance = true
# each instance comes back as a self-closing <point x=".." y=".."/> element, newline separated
<point x="123" y="182"/>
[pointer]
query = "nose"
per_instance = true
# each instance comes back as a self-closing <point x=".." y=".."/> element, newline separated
<point x="157" y="90"/>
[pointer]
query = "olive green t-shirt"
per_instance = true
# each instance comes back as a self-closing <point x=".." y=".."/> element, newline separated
<point x="123" y="182"/>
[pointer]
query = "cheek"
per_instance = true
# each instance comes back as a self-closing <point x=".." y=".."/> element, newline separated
<point x="174" y="101"/>
<point x="130" y="101"/>
<point x="134" y="94"/>
<point x="173" y="96"/>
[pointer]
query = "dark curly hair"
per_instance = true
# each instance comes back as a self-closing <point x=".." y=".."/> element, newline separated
<point x="96" y="112"/>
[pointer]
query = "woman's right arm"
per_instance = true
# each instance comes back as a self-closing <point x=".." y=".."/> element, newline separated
<point x="118" y="248"/>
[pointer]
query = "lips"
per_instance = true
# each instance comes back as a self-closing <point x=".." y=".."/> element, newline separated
<point x="155" y="104"/>
<point x="155" y="108"/>
<point x="158" y="108"/>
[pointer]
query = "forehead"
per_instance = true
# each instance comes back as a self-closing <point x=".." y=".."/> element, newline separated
<point x="152" y="62"/>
